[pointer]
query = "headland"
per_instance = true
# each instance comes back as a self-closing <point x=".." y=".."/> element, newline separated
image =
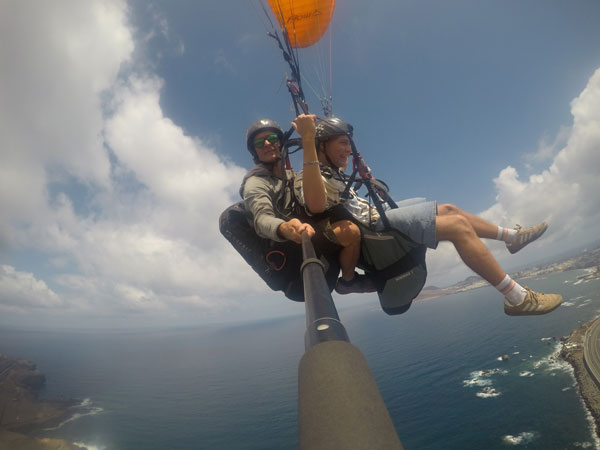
<point x="588" y="259"/>
<point x="572" y="351"/>
<point x="21" y="411"/>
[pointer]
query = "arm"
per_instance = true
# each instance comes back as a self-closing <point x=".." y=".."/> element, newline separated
<point x="315" y="197"/>
<point x="259" y="195"/>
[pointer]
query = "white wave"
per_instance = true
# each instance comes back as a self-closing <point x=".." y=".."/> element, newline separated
<point x="516" y="353"/>
<point x="488" y="372"/>
<point x="591" y="422"/>
<point x="88" y="410"/>
<point x="588" y="415"/>
<point x="565" y="304"/>
<point x="583" y="444"/>
<point x="85" y="402"/>
<point x="523" y="438"/>
<point x="88" y="446"/>
<point x="552" y="362"/>
<point x="526" y="373"/>
<point x="477" y="382"/>
<point x="488" y="392"/>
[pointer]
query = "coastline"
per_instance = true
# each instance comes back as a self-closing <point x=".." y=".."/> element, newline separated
<point x="588" y="260"/>
<point x="572" y="353"/>
<point x="21" y="411"/>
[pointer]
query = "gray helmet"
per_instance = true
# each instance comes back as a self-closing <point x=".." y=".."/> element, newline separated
<point x="258" y="127"/>
<point x="331" y="127"/>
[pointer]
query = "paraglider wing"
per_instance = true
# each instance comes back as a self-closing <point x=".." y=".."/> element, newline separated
<point x="305" y="21"/>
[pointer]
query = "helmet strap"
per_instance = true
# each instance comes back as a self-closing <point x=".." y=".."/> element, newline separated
<point x="324" y="150"/>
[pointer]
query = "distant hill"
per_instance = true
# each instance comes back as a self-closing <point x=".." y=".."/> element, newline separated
<point x="584" y="259"/>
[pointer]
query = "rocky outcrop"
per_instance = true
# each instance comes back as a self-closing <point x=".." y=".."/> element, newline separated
<point x="16" y="441"/>
<point x="21" y="409"/>
<point x="572" y="352"/>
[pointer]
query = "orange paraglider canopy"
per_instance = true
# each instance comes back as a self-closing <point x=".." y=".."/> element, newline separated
<point x="304" y="20"/>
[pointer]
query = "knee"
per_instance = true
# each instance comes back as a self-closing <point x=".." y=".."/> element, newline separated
<point x="448" y="209"/>
<point x="458" y="228"/>
<point x="346" y="232"/>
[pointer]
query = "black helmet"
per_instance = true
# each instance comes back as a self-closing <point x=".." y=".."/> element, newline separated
<point x="258" y="127"/>
<point x="331" y="127"/>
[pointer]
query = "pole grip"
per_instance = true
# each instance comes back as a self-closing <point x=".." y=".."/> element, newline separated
<point x="339" y="404"/>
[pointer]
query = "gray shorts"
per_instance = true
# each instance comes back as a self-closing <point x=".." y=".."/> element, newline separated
<point x="414" y="217"/>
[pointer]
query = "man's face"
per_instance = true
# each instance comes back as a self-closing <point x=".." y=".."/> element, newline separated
<point x="339" y="149"/>
<point x="267" y="146"/>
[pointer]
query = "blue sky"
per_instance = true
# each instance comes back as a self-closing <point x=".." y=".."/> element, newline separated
<point x="122" y="127"/>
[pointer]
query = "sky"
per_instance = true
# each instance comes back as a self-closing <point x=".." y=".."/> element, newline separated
<point x="122" y="131"/>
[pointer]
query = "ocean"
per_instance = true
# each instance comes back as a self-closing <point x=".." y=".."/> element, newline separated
<point x="438" y="367"/>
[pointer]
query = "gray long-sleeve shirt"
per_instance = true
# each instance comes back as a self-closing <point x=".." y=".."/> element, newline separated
<point x="261" y="190"/>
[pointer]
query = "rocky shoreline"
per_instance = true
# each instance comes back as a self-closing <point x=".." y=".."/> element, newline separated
<point x="21" y="411"/>
<point x="572" y="352"/>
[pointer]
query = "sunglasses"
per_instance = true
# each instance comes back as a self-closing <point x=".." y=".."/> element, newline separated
<point x="272" y="138"/>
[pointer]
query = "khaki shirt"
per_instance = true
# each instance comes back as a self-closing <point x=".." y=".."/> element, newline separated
<point x="360" y="208"/>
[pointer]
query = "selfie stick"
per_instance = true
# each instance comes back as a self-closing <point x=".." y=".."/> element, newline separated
<point x="339" y="404"/>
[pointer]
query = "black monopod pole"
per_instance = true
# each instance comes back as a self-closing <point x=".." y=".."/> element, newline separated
<point x="339" y="404"/>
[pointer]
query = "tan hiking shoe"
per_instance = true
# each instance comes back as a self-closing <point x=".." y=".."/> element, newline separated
<point x="535" y="303"/>
<point x="525" y="236"/>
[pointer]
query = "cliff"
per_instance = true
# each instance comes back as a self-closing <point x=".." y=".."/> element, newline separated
<point x="21" y="409"/>
<point x="572" y="352"/>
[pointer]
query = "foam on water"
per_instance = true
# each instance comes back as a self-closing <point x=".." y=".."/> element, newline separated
<point x="523" y="438"/>
<point x="88" y="446"/>
<point x="477" y="382"/>
<point x="552" y="362"/>
<point x="85" y="408"/>
<point x="482" y="378"/>
<point x="488" y="392"/>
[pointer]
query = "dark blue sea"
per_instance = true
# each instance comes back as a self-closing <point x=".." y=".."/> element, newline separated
<point x="235" y="387"/>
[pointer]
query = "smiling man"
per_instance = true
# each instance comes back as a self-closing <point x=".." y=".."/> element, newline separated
<point x="319" y="188"/>
<point x="264" y="186"/>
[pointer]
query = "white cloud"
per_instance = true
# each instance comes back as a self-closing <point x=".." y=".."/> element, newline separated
<point x="121" y="205"/>
<point x="20" y="291"/>
<point x="548" y="148"/>
<point x="566" y="194"/>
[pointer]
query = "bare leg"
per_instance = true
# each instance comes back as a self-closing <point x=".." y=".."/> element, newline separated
<point x="483" y="228"/>
<point x="348" y="235"/>
<point x="457" y="229"/>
